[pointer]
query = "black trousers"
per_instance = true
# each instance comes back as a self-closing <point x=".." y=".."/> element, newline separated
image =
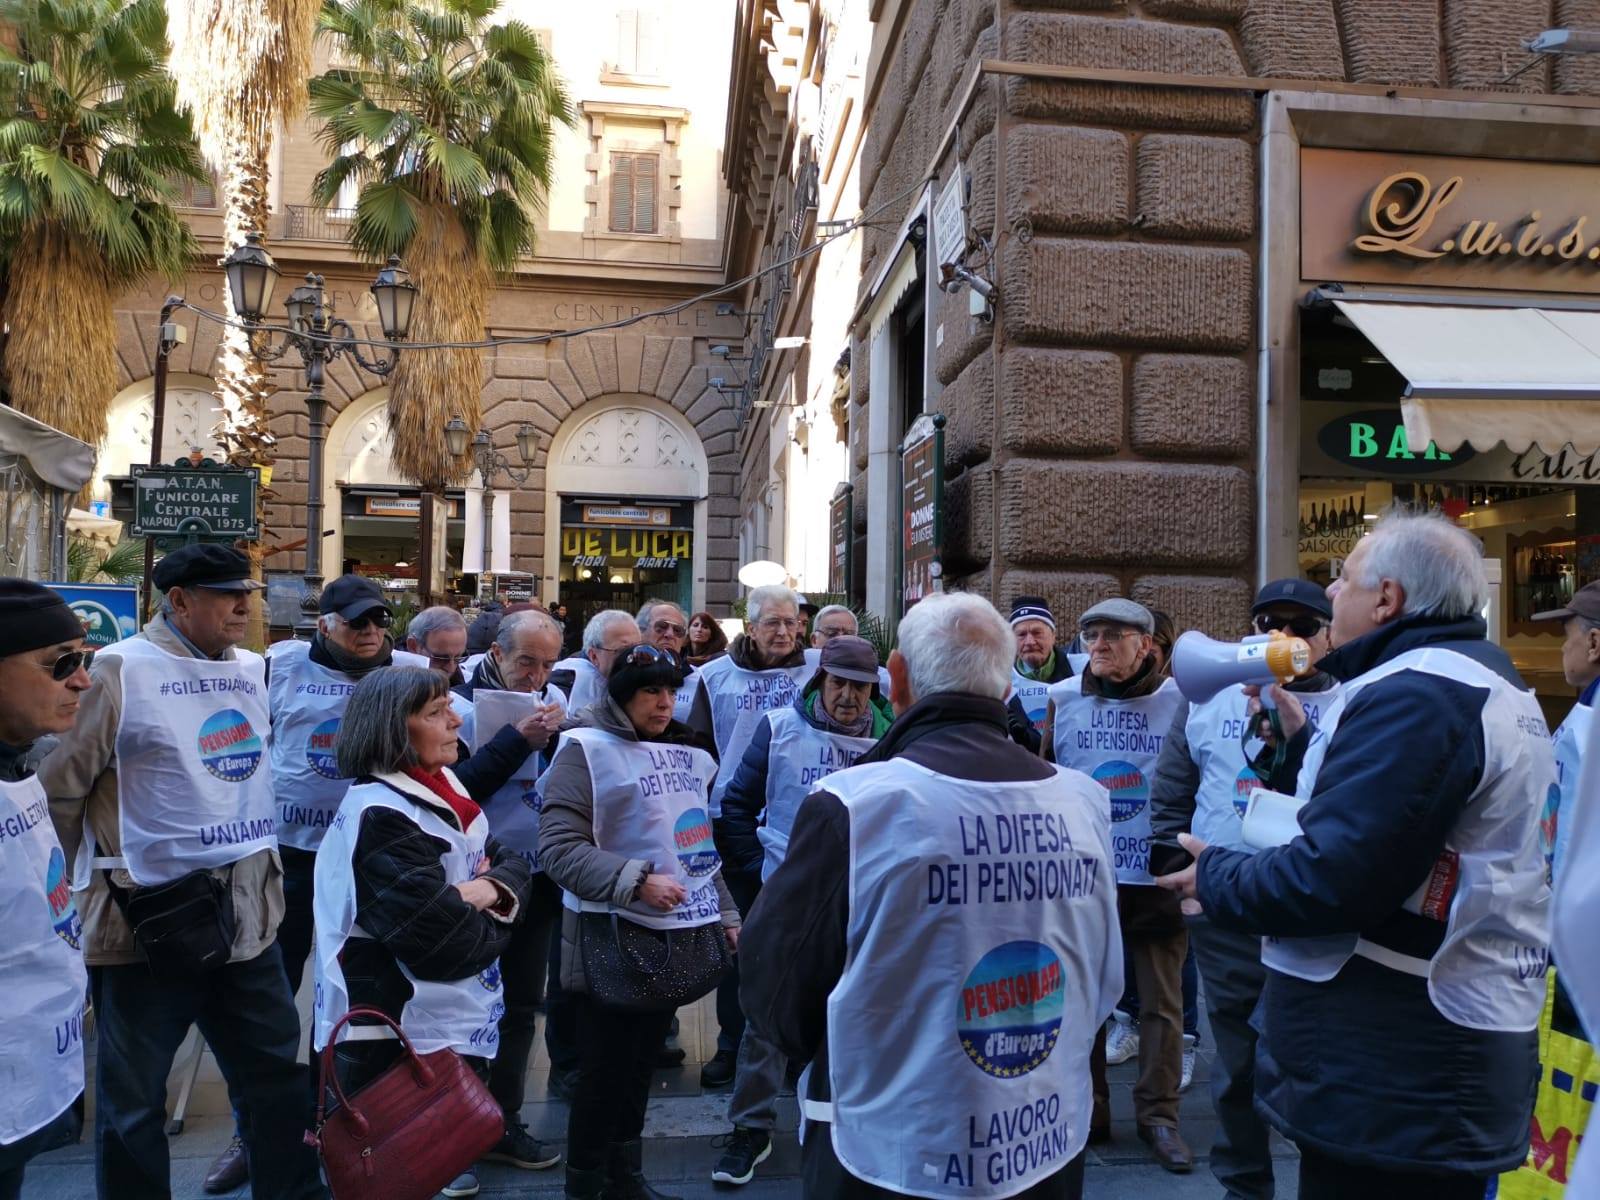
<point x="523" y="968"/>
<point x="1324" y="1178"/>
<point x="745" y="887"/>
<point x="63" y="1130"/>
<point x="616" y="1057"/>
<point x="296" y="931"/>
<point x="822" y="1177"/>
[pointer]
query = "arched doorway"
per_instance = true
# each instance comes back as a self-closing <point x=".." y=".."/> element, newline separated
<point x="369" y="509"/>
<point x="625" y="507"/>
<point x="192" y="412"/>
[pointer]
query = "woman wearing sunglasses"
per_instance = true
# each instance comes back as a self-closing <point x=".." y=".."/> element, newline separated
<point x="625" y="832"/>
<point x="41" y="677"/>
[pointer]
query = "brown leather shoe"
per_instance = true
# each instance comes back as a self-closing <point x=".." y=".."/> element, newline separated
<point x="1168" y="1147"/>
<point x="230" y="1171"/>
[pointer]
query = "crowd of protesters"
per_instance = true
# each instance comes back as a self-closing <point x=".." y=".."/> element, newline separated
<point x="936" y="890"/>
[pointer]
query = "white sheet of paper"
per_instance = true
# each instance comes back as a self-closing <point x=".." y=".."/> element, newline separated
<point x="493" y="711"/>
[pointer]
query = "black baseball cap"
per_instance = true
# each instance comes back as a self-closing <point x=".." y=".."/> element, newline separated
<point x="206" y="565"/>
<point x="1300" y="592"/>
<point x="1585" y="603"/>
<point x="349" y="596"/>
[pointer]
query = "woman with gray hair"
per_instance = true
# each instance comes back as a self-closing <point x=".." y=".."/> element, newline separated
<point x="414" y="901"/>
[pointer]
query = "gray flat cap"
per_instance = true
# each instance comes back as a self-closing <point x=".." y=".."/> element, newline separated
<point x="1120" y="612"/>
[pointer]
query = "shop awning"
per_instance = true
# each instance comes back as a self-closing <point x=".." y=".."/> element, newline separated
<point x="1483" y="376"/>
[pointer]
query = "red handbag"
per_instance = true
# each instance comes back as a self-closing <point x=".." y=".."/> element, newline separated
<point x="411" y="1130"/>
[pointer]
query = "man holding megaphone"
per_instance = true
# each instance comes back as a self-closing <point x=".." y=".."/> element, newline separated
<point x="1222" y="745"/>
<point x="1109" y="723"/>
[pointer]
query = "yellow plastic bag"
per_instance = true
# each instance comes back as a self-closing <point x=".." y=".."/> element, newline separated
<point x="1569" y="1077"/>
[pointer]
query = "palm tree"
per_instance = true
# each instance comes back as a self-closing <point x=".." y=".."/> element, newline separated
<point x="445" y="121"/>
<point x="241" y="65"/>
<point x="90" y="144"/>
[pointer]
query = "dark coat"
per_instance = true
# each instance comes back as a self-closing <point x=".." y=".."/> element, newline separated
<point x="1363" y="1067"/>
<point x="1021" y="729"/>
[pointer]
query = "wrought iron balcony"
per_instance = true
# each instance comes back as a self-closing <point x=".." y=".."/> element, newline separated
<point x="304" y="223"/>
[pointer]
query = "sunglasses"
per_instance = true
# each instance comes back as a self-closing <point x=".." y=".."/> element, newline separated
<point x="668" y="627"/>
<point x="644" y="656"/>
<point x="68" y="665"/>
<point x="1300" y="627"/>
<point x="381" y="617"/>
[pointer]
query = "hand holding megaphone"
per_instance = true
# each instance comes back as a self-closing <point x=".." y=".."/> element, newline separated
<point x="1203" y="666"/>
<point x="1291" y="713"/>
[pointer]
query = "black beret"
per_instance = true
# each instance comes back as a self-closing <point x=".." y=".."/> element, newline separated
<point x="32" y="617"/>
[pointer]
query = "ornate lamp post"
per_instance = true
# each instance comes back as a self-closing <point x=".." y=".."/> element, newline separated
<point x="319" y="337"/>
<point x="491" y="462"/>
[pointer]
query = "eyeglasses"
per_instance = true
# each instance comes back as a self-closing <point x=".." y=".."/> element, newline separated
<point x="644" y="656"/>
<point x="669" y="627"/>
<point x="381" y="617"/>
<point x="778" y="623"/>
<point x="1300" y="627"/>
<point x="452" y="659"/>
<point x="1110" y="637"/>
<point x="68" y="665"/>
<point x="829" y="632"/>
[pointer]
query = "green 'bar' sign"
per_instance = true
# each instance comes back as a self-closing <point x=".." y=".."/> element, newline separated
<point x="1375" y="440"/>
<point x="176" y="502"/>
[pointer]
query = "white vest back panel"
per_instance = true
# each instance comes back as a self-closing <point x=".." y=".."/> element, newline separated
<point x="588" y="685"/>
<point x="192" y="790"/>
<point x="463" y="1014"/>
<point x="739" y="699"/>
<point x="1488" y="886"/>
<point x="1034" y="695"/>
<point x="41" y="960"/>
<point x="982" y="955"/>
<point x="1214" y="730"/>
<point x="683" y="699"/>
<point x="1116" y="743"/>
<point x="307" y="701"/>
<point x="513" y="810"/>
<point x="799" y="758"/>
<point x="650" y="803"/>
<point x="1570" y="738"/>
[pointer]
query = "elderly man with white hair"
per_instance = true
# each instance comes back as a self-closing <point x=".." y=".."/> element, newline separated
<point x="764" y="669"/>
<point x="1407" y="920"/>
<point x="941" y="940"/>
<point x="583" y="676"/>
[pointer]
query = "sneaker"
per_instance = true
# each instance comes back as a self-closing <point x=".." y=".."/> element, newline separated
<point x="719" y="1072"/>
<point x="746" y="1149"/>
<point x="1189" y="1041"/>
<point x="521" y="1149"/>
<point x="464" y="1184"/>
<point x="1122" y="1040"/>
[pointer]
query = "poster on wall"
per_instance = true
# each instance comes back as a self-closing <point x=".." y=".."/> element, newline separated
<point x="839" y="539"/>
<point x="922" y="509"/>
<point x="109" y="612"/>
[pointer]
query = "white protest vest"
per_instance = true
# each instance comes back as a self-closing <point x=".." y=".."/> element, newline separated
<point x="650" y="803"/>
<point x="41" y="960"/>
<point x="683" y="698"/>
<point x="1570" y="738"/>
<point x="739" y="699"/>
<point x="982" y="953"/>
<point x="513" y="811"/>
<point x="462" y="1014"/>
<point x="1489" y="884"/>
<point x="1116" y="743"/>
<point x="1034" y="695"/>
<point x="588" y="685"/>
<point x="193" y="791"/>
<point x="1214" y="730"/>
<point x="799" y="758"/>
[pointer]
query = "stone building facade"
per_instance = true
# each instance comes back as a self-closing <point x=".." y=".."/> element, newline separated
<point x="629" y="432"/>
<point x="1124" y="423"/>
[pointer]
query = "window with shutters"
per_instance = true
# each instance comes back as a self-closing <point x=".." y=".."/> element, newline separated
<point x="192" y="194"/>
<point x="633" y="192"/>
<point x="641" y="34"/>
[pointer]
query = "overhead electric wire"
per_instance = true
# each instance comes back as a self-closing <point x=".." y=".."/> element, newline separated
<point x="536" y="339"/>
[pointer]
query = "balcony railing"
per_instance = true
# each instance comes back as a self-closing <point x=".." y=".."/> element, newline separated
<point x="304" y="223"/>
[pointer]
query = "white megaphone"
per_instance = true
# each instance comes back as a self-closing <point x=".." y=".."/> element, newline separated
<point x="1203" y="666"/>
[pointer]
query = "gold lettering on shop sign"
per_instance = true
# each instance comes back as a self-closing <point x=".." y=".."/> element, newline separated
<point x="1404" y="209"/>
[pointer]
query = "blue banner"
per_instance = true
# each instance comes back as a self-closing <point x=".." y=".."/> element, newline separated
<point x="110" y="611"/>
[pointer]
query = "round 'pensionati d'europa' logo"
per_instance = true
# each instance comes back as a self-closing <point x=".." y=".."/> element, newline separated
<point x="1008" y="1015"/>
<point x="1247" y="782"/>
<point x="1127" y="786"/>
<point x="489" y="977"/>
<point x="58" y="892"/>
<point x="321" y="749"/>
<point x="229" y="746"/>
<point x="691" y="838"/>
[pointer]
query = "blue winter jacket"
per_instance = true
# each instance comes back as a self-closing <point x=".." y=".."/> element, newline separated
<point x="1362" y="1067"/>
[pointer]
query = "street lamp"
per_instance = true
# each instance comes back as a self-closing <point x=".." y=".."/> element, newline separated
<point x="491" y="462"/>
<point x="319" y="337"/>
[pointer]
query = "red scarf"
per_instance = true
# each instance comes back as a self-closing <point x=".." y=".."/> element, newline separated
<point x="465" y="810"/>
